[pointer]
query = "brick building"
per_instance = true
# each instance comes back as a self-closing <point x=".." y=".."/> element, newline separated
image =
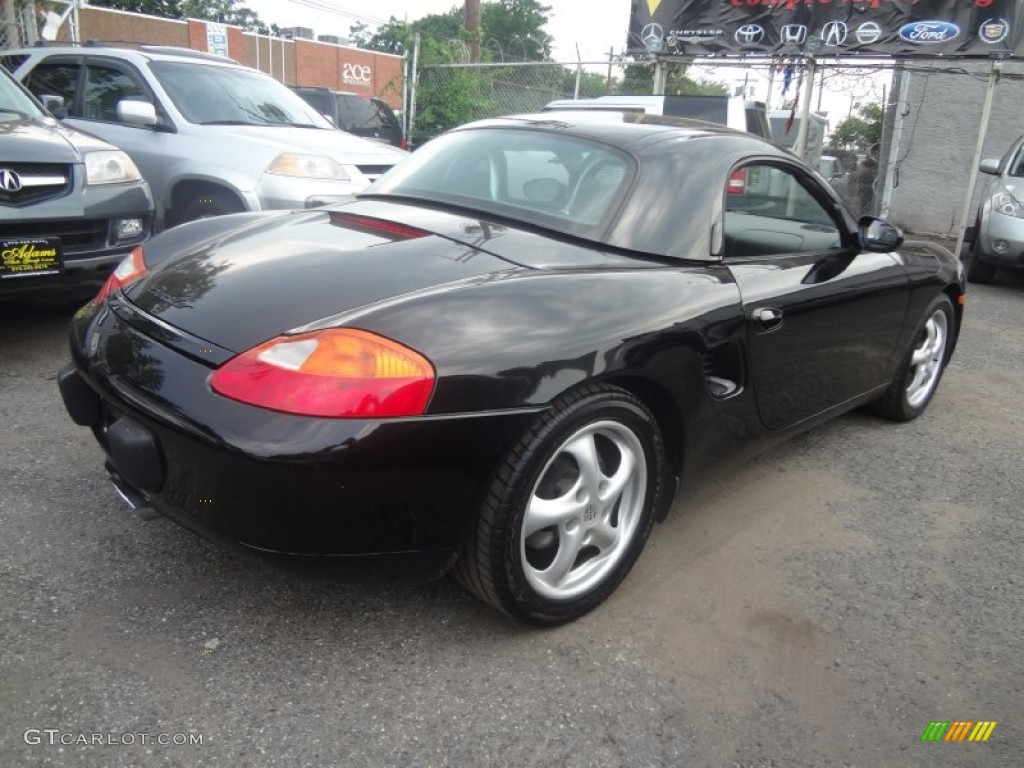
<point x="293" y="62"/>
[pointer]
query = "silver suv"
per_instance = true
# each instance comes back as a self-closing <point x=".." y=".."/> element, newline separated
<point x="71" y="206"/>
<point x="209" y="135"/>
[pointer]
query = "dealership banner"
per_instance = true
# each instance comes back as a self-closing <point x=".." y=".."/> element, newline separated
<point x="827" y="28"/>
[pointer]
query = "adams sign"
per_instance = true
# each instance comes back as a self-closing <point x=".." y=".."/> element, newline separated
<point x="954" y="28"/>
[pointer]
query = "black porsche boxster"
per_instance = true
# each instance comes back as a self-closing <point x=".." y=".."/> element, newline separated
<point x="503" y="357"/>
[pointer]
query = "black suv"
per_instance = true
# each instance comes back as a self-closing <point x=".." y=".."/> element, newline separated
<point x="71" y="206"/>
<point x="365" y="116"/>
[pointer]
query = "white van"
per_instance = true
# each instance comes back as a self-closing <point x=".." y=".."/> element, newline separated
<point x="734" y="111"/>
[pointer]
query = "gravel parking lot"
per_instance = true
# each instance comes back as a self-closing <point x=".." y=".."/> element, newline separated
<point x="817" y="606"/>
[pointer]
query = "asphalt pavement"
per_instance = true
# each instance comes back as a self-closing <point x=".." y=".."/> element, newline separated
<point x="817" y="606"/>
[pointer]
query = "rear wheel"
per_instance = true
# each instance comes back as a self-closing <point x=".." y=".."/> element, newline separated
<point x="918" y="375"/>
<point x="569" y="510"/>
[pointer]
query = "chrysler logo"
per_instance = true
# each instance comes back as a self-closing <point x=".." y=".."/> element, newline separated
<point x="652" y="36"/>
<point x="749" y="34"/>
<point x="9" y="180"/>
<point x="927" y="32"/>
<point x="794" y="34"/>
<point x="834" y="33"/>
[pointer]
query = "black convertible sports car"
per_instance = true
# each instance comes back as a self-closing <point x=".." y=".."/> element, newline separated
<point x="504" y="356"/>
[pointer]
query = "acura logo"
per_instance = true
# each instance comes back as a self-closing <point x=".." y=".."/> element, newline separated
<point x="652" y="36"/>
<point x="9" y="180"/>
<point x="794" y="34"/>
<point x="749" y="34"/>
<point x="834" y="33"/>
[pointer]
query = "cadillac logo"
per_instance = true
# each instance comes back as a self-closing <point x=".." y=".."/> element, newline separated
<point x="993" y="31"/>
<point x="749" y="34"/>
<point x="9" y="180"/>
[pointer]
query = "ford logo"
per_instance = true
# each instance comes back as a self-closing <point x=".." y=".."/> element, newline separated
<point x="929" y="32"/>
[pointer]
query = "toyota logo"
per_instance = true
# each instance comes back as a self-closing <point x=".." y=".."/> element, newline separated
<point x="652" y="36"/>
<point x="9" y="180"/>
<point x="749" y="34"/>
<point x="834" y="33"/>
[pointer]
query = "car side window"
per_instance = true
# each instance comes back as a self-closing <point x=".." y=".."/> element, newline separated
<point x="104" y="87"/>
<point x="55" y="79"/>
<point x="769" y="210"/>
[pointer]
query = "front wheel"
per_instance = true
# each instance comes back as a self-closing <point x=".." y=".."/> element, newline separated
<point x="205" y="204"/>
<point x="569" y="510"/>
<point x="918" y="375"/>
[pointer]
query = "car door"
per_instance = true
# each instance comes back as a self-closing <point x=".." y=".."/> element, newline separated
<point x="822" y="316"/>
<point x="91" y="88"/>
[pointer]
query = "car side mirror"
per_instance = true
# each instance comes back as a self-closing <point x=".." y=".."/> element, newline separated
<point x="990" y="166"/>
<point x="136" y="112"/>
<point x="878" y="235"/>
<point x="54" y="105"/>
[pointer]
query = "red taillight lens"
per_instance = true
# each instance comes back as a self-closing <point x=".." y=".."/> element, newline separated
<point x="336" y="373"/>
<point x="737" y="183"/>
<point x="129" y="270"/>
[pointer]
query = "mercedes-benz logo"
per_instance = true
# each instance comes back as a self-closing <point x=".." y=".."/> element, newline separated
<point x="749" y="34"/>
<point x="652" y="37"/>
<point x="834" y="33"/>
<point x="9" y="180"/>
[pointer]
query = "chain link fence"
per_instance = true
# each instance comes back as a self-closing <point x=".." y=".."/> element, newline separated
<point x="452" y="94"/>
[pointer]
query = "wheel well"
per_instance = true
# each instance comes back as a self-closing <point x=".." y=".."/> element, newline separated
<point x="184" y="191"/>
<point x="669" y="420"/>
<point x="956" y="296"/>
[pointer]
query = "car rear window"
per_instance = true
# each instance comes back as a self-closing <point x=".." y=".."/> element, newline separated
<point x="563" y="183"/>
<point x="357" y="113"/>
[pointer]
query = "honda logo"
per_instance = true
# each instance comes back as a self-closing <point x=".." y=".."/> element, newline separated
<point x="834" y="33"/>
<point x="749" y="34"/>
<point x="794" y="34"/>
<point x="9" y="180"/>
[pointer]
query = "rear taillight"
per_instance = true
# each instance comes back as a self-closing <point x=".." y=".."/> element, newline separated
<point x="335" y="373"/>
<point x="129" y="270"/>
<point x="737" y="183"/>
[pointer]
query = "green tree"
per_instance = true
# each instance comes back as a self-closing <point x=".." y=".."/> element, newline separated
<point x="859" y="132"/>
<point x="639" y="79"/>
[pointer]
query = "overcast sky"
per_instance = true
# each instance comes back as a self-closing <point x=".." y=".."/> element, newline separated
<point x="596" y="25"/>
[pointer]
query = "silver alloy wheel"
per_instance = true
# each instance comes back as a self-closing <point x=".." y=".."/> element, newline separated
<point x="584" y="510"/>
<point x="926" y="359"/>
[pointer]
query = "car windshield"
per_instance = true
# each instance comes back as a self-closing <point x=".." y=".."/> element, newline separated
<point x="563" y="183"/>
<point x="14" y="101"/>
<point x="216" y="95"/>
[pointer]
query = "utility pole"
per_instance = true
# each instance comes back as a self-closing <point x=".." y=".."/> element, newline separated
<point x="608" y="82"/>
<point x="471" y="14"/>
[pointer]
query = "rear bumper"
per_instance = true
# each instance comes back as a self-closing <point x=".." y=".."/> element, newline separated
<point x="275" y="482"/>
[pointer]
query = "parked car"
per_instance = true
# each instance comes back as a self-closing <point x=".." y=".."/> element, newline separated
<point x="999" y="227"/>
<point x="502" y="356"/>
<point x="71" y="206"/>
<point x="365" y="116"/>
<point x="210" y="136"/>
<point x="734" y="111"/>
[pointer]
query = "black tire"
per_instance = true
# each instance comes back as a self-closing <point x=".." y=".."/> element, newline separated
<point x="507" y="569"/>
<point x="203" y="205"/>
<point x="903" y="401"/>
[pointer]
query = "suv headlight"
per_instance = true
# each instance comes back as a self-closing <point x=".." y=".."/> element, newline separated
<point x="307" y="166"/>
<point x="109" y="166"/>
<point x="1006" y="204"/>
